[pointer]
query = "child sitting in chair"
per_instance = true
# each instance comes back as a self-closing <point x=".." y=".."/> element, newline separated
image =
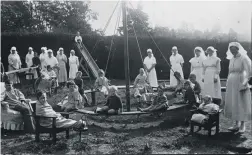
<point x="102" y="83"/>
<point x="113" y="103"/>
<point x="159" y="103"/>
<point x="74" y="98"/>
<point x="140" y="85"/>
<point x="207" y="107"/>
<point x="49" y="79"/>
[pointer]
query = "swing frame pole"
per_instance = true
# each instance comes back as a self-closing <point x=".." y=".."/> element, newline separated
<point x="126" y="54"/>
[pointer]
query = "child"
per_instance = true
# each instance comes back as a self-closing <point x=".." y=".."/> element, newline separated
<point x="196" y="88"/>
<point x="79" y="82"/>
<point x="45" y="109"/>
<point x="78" y="39"/>
<point x="74" y="98"/>
<point x="49" y="78"/>
<point x="101" y="83"/>
<point x="113" y="103"/>
<point x="189" y="96"/>
<point x="207" y="107"/>
<point x="179" y="86"/>
<point x="159" y="103"/>
<point x="140" y="85"/>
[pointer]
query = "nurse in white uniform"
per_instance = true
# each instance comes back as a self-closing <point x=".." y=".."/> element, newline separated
<point x="176" y="64"/>
<point x="149" y="65"/>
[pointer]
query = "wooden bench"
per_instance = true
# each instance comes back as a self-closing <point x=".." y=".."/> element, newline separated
<point x="138" y="113"/>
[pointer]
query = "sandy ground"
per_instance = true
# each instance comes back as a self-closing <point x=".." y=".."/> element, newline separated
<point x="129" y="135"/>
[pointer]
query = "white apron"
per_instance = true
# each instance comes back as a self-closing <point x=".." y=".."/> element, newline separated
<point x="152" y="75"/>
<point x="176" y="66"/>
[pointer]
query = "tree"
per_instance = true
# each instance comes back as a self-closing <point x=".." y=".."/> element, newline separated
<point x="63" y="16"/>
<point x="138" y="20"/>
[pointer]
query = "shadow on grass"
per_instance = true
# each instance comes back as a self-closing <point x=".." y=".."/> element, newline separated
<point x="224" y="142"/>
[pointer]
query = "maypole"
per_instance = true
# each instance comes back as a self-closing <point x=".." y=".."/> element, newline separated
<point x="126" y="54"/>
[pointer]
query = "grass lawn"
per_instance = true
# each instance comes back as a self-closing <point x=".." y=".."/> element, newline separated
<point x="127" y="135"/>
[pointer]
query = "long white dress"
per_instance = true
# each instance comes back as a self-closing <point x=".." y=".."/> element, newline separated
<point x="62" y="59"/>
<point x="28" y="60"/>
<point x="73" y="64"/>
<point x="197" y="69"/>
<point x="238" y="103"/>
<point x="212" y="70"/>
<point x="43" y="57"/>
<point x="152" y="75"/>
<point x="176" y="62"/>
<point x="14" y="63"/>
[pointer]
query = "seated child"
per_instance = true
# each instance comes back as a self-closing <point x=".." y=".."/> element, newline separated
<point x="79" y="82"/>
<point x="189" y="95"/>
<point x="74" y="98"/>
<point x="179" y="86"/>
<point x="49" y="79"/>
<point x="196" y="88"/>
<point x="207" y="107"/>
<point x="140" y="85"/>
<point x="102" y="83"/>
<point x="113" y="103"/>
<point x="159" y="103"/>
<point x="45" y="109"/>
<point x="78" y="39"/>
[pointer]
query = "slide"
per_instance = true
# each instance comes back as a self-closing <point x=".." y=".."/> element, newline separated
<point x="88" y="59"/>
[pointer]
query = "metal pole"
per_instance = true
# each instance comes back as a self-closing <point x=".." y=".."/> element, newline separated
<point x="126" y="54"/>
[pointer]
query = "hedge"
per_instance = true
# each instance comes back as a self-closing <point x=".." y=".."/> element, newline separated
<point x="115" y="68"/>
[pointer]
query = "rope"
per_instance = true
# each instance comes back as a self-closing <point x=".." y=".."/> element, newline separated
<point x="112" y="40"/>
<point x="139" y="49"/>
<point x="106" y="26"/>
<point x="152" y="39"/>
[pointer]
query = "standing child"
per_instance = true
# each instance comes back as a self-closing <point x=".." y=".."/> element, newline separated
<point x="159" y="103"/>
<point x="189" y="96"/>
<point x="79" y="82"/>
<point x="74" y="98"/>
<point x="113" y="103"/>
<point x="101" y="83"/>
<point x="196" y="88"/>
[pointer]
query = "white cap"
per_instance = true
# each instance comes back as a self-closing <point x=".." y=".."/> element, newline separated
<point x="60" y="48"/>
<point x="212" y="48"/>
<point x="149" y="50"/>
<point x="174" y="48"/>
<point x="13" y="48"/>
<point x="30" y="48"/>
<point x="49" y="51"/>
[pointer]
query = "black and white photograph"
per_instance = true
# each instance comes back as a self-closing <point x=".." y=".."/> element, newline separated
<point x="126" y="77"/>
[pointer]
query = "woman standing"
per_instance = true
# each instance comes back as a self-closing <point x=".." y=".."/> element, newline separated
<point x="62" y="59"/>
<point x="177" y="63"/>
<point x="211" y="76"/>
<point x="149" y="65"/>
<point x="43" y="56"/>
<point x="197" y="65"/>
<point x="14" y="64"/>
<point x="28" y="61"/>
<point x="73" y="64"/>
<point x="238" y="95"/>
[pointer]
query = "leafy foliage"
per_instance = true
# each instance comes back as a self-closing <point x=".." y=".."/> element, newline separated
<point x="46" y="16"/>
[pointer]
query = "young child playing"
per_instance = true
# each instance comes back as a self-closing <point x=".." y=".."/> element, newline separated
<point x="74" y="98"/>
<point x="189" y="95"/>
<point x="207" y="107"/>
<point x="196" y="88"/>
<point x="159" y="103"/>
<point x="79" y="82"/>
<point x="49" y="79"/>
<point x="101" y="83"/>
<point x="180" y="84"/>
<point x="113" y="103"/>
<point x="140" y="85"/>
